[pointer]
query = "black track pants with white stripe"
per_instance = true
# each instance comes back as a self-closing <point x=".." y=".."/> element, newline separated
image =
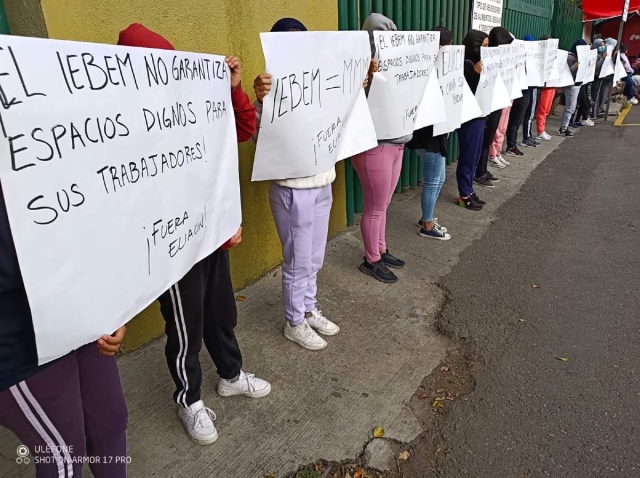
<point x="201" y="306"/>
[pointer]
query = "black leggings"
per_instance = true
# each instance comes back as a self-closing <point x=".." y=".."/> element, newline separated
<point x="582" y="112"/>
<point x="493" y="121"/>
<point x="518" y="109"/>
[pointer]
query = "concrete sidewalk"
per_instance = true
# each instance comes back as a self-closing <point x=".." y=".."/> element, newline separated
<point x="324" y="404"/>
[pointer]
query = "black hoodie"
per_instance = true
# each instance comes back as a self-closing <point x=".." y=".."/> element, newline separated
<point x="472" y="44"/>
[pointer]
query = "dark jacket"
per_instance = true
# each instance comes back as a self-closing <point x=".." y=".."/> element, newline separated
<point x="18" y="356"/>
<point x="423" y="138"/>
<point x="472" y="44"/>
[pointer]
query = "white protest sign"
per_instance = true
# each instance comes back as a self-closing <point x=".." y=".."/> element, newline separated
<point x="536" y="52"/>
<point x="550" y="70"/>
<point x="565" y="77"/>
<point x="619" y="72"/>
<point x="119" y="168"/>
<point x="470" y="108"/>
<point x="450" y="70"/>
<point x="607" y="65"/>
<point x="509" y="55"/>
<point x="521" y="73"/>
<point x="492" y="93"/>
<point x="588" y="59"/>
<point x="405" y="62"/>
<point x="309" y="116"/>
<point x="486" y="15"/>
<point x="432" y="110"/>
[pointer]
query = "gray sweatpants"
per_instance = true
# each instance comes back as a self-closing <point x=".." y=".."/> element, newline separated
<point x="571" y="99"/>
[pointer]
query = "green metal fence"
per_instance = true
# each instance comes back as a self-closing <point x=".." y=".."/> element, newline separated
<point x="407" y="15"/>
<point x="528" y="17"/>
<point x="566" y="23"/>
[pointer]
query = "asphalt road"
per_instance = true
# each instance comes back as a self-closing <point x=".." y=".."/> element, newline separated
<point x="557" y="276"/>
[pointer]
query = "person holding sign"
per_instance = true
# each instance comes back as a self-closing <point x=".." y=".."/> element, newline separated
<point x="432" y="151"/>
<point x="527" y="124"/>
<point x="544" y="107"/>
<point x="66" y="410"/>
<point x="379" y="172"/>
<point x="471" y="133"/>
<point x="202" y="306"/>
<point x="301" y="208"/>
<point x="571" y="93"/>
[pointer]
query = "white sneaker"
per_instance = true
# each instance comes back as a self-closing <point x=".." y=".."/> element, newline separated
<point x="323" y="325"/>
<point x="633" y="101"/>
<point x="502" y="160"/>
<point x="304" y="336"/>
<point x="496" y="163"/>
<point x="198" y="422"/>
<point x="588" y="122"/>
<point x="247" y="384"/>
<point x="544" y="136"/>
<point x="438" y="225"/>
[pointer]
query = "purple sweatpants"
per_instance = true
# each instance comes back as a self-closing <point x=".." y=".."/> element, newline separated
<point x="379" y="172"/>
<point x="302" y="220"/>
<point x="70" y="412"/>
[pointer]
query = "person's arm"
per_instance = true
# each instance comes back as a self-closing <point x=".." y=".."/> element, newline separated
<point x="245" y="114"/>
<point x="261" y="87"/>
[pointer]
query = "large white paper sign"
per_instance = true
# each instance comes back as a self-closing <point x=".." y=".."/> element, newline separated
<point x="432" y="109"/>
<point x="492" y="93"/>
<point x="536" y="62"/>
<point x="486" y="15"/>
<point x="509" y="55"/>
<point x="588" y="59"/>
<point x="619" y="72"/>
<point x="119" y="168"/>
<point x="550" y="70"/>
<point x="470" y="108"/>
<point x="521" y="57"/>
<point x="405" y="62"/>
<point x="565" y="77"/>
<point x="450" y="70"/>
<point x="312" y="118"/>
<point x="607" y="65"/>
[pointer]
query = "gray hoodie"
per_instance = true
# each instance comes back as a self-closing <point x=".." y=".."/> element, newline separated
<point x="377" y="22"/>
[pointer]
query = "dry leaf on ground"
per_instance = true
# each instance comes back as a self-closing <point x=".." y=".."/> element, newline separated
<point x="404" y="455"/>
<point x="241" y="298"/>
<point x="378" y="432"/>
<point x="444" y="369"/>
<point x="536" y="286"/>
<point x="563" y="359"/>
<point x="358" y="473"/>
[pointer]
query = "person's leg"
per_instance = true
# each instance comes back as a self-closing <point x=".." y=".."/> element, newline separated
<point x="105" y="412"/>
<point x="544" y="108"/>
<point x="571" y="99"/>
<point x="628" y="88"/>
<point x="182" y="308"/>
<point x="470" y="137"/>
<point x="434" y="169"/>
<point x="293" y="212"/>
<point x="493" y="120"/>
<point x="516" y="116"/>
<point x="605" y="88"/>
<point x="374" y="169"/>
<point x="527" y="123"/>
<point x="46" y="413"/>
<point x="394" y="154"/>
<point x="322" y="211"/>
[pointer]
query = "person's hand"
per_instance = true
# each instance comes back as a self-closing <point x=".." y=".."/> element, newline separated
<point x="236" y="70"/>
<point x="109" y="345"/>
<point x="373" y="67"/>
<point x="577" y="64"/>
<point x="478" y="67"/>
<point x="236" y="240"/>
<point x="604" y="55"/>
<point x="262" y="86"/>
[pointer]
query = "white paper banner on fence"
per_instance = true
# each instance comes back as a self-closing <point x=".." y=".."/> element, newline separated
<point x="119" y="168"/>
<point x="550" y="70"/>
<point x="565" y="78"/>
<point x="619" y="72"/>
<point x="492" y="93"/>
<point x="470" y="107"/>
<point x="536" y="57"/>
<point x="588" y="59"/>
<point x="405" y="61"/>
<point x="607" y="65"/>
<point x="486" y="14"/>
<point x="312" y="117"/>
<point x="521" y="56"/>
<point x="450" y="70"/>
<point x="509" y="55"/>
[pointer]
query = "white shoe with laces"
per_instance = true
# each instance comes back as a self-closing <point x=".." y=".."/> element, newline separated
<point x="588" y="122"/>
<point x="502" y="160"/>
<point x="544" y="136"/>
<point x="496" y="163"/>
<point x="322" y="325"/>
<point x="304" y="335"/>
<point x="633" y="101"/>
<point x="247" y="384"/>
<point x="198" y="422"/>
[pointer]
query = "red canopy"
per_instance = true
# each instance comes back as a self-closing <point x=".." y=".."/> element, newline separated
<point x="597" y="9"/>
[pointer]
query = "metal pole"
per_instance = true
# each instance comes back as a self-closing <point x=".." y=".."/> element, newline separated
<point x="624" y="4"/>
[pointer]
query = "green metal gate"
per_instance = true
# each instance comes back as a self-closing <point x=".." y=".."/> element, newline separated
<point x="566" y="23"/>
<point x="407" y="15"/>
<point x="528" y="17"/>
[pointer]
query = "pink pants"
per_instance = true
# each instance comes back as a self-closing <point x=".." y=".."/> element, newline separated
<point x="496" y="147"/>
<point x="379" y="172"/>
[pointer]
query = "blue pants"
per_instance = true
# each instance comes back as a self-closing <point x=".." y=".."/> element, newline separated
<point x="470" y="136"/>
<point x="434" y="167"/>
<point x="629" y="90"/>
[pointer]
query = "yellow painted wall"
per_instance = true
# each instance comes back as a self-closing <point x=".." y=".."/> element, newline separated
<point x="211" y="26"/>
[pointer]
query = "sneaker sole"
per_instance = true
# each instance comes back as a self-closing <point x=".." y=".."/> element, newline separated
<point x="445" y="238"/>
<point x="308" y="347"/>
<point x="195" y="439"/>
<point x="475" y="209"/>
<point x="327" y="333"/>
<point x="260" y="394"/>
<point x="364" y="270"/>
<point x="489" y="186"/>
<point x="496" y="165"/>
<point x="443" y="229"/>
<point x="544" y="139"/>
<point x="393" y="266"/>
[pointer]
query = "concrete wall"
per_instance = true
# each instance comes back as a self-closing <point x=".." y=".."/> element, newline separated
<point x="212" y="26"/>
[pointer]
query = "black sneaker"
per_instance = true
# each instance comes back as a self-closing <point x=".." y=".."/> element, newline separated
<point x="475" y="198"/>
<point x="491" y="177"/>
<point x="514" y="152"/>
<point x="566" y="133"/>
<point x="535" y="141"/>
<point x="483" y="182"/>
<point x="391" y="261"/>
<point x="468" y="203"/>
<point x="379" y="271"/>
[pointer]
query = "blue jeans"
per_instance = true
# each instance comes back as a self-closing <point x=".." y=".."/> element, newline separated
<point x="629" y="90"/>
<point x="470" y="136"/>
<point x="435" y="171"/>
